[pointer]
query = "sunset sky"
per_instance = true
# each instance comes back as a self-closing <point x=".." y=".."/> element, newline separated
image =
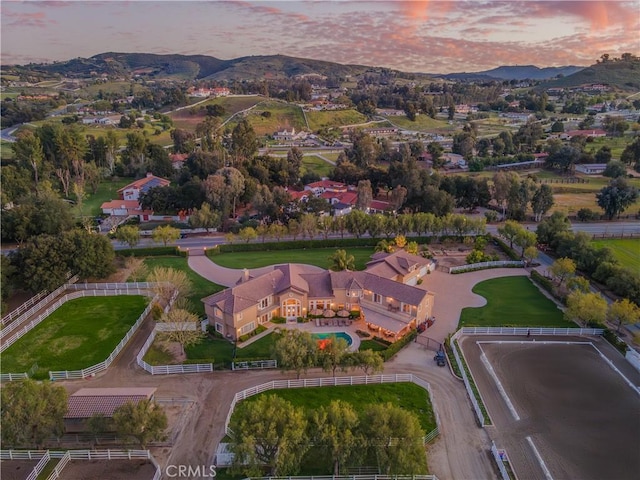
<point x="421" y="36"/>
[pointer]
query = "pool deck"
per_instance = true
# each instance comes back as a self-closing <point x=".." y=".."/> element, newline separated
<point x="312" y="328"/>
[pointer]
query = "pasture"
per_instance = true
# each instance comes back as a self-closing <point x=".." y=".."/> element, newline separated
<point x="313" y="163"/>
<point x="79" y="334"/>
<point x="270" y="116"/>
<point x="626" y="251"/>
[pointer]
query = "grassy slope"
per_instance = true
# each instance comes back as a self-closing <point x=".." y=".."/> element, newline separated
<point x="79" y="334"/>
<point x="334" y="118"/>
<point x="312" y="163"/>
<point x="422" y="123"/>
<point x="627" y="251"/>
<point x="512" y="302"/>
<point x="283" y="115"/>
<point x="318" y="257"/>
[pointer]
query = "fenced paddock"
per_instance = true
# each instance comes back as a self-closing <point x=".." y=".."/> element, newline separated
<point x="65" y="457"/>
<point x="333" y="382"/>
<point x="571" y="403"/>
<point x="168" y="369"/>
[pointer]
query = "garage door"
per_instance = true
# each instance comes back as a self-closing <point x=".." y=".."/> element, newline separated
<point x="412" y="281"/>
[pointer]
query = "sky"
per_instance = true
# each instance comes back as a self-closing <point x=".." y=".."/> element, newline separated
<point x="427" y="36"/>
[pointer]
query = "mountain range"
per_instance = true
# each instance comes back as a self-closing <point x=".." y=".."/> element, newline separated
<point x="620" y="74"/>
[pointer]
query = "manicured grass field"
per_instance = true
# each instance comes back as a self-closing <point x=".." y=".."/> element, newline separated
<point x="312" y="163"/>
<point x="408" y="396"/>
<point x="81" y="333"/>
<point x="201" y="286"/>
<point x="374" y="345"/>
<point x="212" y="350"/>
<point x="512" y="302"/>
<point x="282" y="115"/>
<point x="318" y="257"/>
<point x="627" y="251"/>
<point x="334" y="118"/>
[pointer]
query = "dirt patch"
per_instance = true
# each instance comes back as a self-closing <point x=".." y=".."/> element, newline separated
<point x="16" y="469"/>
<point x="455" y="254"/>
<point x="174" y="349"/>
<point x="109" y="470"/>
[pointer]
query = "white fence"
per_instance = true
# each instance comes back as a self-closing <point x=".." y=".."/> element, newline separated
<point x="31" y="306"/>
<point x="529" y="331"/>
<point x="168" y="369"/>
<point x="12" y="377"/>
<point x="112" y="286"/>
<point x="91" y="371"/>
<point x="467" y="384"/>
<point x="633" y="358"/>
<point x="332" y="382"/>
<point x="483" y="265"/>
<point x="499" y="458"/>
<point x="254" y="365"/>
<point x="66" y="456"/>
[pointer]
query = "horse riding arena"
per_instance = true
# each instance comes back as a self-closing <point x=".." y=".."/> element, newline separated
<point x="561" y="407"/>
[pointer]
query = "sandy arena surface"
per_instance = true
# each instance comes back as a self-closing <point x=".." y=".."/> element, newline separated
<point x="108" y="470"/>
<point x="16" y="469"/>
<point x="582" y="417"/>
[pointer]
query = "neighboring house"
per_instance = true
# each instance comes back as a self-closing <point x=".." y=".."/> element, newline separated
<point x="389" y="307"/>
<point x="178" y="160"/>
<point x="318" y="188"/>
<point x="86" y="402"/>
<point x="134" y="190"/>
<point x="593" y="133"/>
<point x="380" y="206"/>
<point x="285" y="135"/>
<point x="128" y="208"/>
<point x="340" y="209"/>
<point x="591" y="168"/>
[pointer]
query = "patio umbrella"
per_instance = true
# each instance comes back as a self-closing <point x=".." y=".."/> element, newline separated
<point x="329" y="313"/>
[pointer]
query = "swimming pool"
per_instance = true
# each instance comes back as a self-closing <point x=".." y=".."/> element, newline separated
<point x="324" y="336"/>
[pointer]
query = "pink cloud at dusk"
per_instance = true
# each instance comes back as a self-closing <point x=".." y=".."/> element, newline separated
<point x="421" y="35"/>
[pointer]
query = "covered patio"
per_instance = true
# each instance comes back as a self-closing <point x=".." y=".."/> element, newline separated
<point x="385" y="326"/>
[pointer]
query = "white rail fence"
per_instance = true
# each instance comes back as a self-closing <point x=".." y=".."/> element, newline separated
<point x="483" y="265"/>
<point x="66" y="456"/>
<point x="31" y="306"/>
<point x="112" y="286"/>
<point x="570" y="332"/>
<point x="504" y="331"/>
<point x="168" y="369"/>
<point x="91" y="371"/>
<point x="254" y="365"/>
<point x="332" y="382"/>
<point x="499" y="457"/>
<point x="12" y="377"/>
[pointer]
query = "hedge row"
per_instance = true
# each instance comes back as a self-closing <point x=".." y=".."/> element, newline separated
<point x="510" y="252"/>
<point x="399" y="345"/>
<point x="475" y="269"/>
<point x="150" y="252"/>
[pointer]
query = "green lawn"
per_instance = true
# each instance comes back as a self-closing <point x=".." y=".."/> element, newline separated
<point x="374" y="345"/>
<point x="512" y="302"/>
<point x="259" y="350"/>
<point x="201" y="286"/>
<point x="318" y="257"/>
<point x="211" y="350"/>
<point x="627" y="251"/>
<point x="408" y="396"/>
<point x="281" y="115"/>
<point x="81" y="333"/>
<point x="313" y="163"/>
<point x="107" y="190"/>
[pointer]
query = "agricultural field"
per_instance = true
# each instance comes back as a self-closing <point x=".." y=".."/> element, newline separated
<point x="188" y="118"/>
<point x="627" y="251"/>
<point x="423" y="123"/>
<point x="616" y="144"/>
<point x="281" y="116"/>
<point x="313" y="163"/>
<point x="334" y="118"/>
<point x="79" y="334"/>
<point x="512" y="302"/>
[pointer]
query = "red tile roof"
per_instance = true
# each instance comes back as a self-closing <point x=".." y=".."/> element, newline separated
<point x="138" y="184"/>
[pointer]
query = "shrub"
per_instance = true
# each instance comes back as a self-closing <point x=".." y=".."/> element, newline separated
<point x="278" y="320"/>
<point x="399" y="345"/>
<point x="247" y="336"/>
<point x="510" y="252"/>
<point x="363" y="334"/>
<point x="150" y="252"/>
<point x="419" y="282"/>
<point x="300" y="244"/>
<point x="587" y="215"/>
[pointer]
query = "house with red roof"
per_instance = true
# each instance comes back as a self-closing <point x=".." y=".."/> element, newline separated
<point x="128" y="203"/>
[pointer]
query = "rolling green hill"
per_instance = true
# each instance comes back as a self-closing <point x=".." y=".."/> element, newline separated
<point x="617" y="73"/>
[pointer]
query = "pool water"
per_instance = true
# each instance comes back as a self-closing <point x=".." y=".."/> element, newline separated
<point x="324" y="336"/>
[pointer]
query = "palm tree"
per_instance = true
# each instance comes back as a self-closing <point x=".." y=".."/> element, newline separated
<point x="341" y="261"/>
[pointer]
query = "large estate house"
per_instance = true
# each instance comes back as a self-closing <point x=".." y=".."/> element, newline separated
<point x="384" y="294"/>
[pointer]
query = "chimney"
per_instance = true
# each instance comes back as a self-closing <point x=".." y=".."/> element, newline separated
<point x="245" y="274"/>
<point x="149" y="174"/>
